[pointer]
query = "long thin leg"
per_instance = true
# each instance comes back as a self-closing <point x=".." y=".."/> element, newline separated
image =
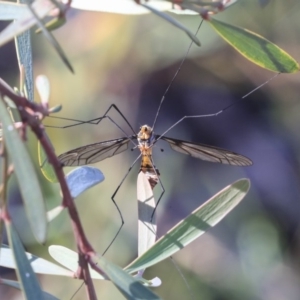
<point x="192" y="295"/>
<point x="162" y="189"/>
<point x="95" y="121"/>
<point x="217" y="113"/>
<point x="115" y="203"/>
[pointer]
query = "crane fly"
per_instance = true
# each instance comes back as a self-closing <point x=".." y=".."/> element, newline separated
<point x="144" y="140"/>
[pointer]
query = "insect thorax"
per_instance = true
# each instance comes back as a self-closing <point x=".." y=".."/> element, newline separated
<point x="145" y="137"/>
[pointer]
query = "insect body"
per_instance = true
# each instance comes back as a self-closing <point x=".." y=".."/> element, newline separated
<point x="146" y="140"/>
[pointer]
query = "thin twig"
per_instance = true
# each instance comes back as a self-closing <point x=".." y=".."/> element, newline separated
<point x="28" y="113"/>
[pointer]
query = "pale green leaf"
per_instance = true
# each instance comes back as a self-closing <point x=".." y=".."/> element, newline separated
<point x="256" y="48"/>
<point x="12" y="11"/>
<point x="146" y="205"/>
<point x="41" y="7"/>
<point x="197" y="223"/>
<point x="130" y="287"/>
<point x="46" y="168"/>
<point x="69" y="259"/>
<point x="26" y="176"/>
<point x="29" y="283"/>
<point x="39" y="265"/>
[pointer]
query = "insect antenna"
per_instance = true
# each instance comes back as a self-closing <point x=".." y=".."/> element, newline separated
<point x="174" y="77"/>
<point x="115" y="203"/>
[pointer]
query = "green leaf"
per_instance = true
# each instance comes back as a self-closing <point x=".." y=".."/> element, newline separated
<point x="54" y="24"/>
<point x="198" y="222"/>
<point x="51" y="39"/>
<point x="46" y="168"/>
<point x="69" y="259"/>
<point x="42" y="85"/>
<point x="16" y="285"/>
<point x="128" y="285"/>
<point x="24" y="55"/>
<point x="29" y="282"/>
<point x="55" y="109"/>
<point x="12" y="11"/>
<point x="42" y="8"/>
<point x="146" y="205"/>
<point x="39" y="265"/>
<point x="54" y="212"/>
<point x="256" y="48"/>
<point x="26" y="176"/>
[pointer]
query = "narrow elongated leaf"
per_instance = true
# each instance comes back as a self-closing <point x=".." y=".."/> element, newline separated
<point x="54" y="212"/>
<point x="203" y="218"/>
<point x="54" y="24"/>
<point x="26" y="176"/>
<point x="147" y="227"/>
<point x="39" y="265"/>
<point x="12" y="11"/>
<point x="28" y="280"/>
<point x="24" y="55"/>
<point x="69" y="259"/>
<point x="118" y="6"/>
<point x="51" y="39"/>
<point x="16" y="285"/>
<point x="146" y="206"/>
<point x="42" y="8"/>
<point x="46" y="168"/>
<point x="43" y="87"/>
<point x="256" y="48"/>
<point x="127" y="285"/>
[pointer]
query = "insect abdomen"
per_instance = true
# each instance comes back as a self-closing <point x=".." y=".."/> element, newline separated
<point x="150" y="171"/>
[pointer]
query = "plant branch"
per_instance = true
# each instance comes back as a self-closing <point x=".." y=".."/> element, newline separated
<point x="29" y="113"/>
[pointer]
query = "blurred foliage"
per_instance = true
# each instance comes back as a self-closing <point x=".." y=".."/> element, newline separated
<point x="129" y="61"/>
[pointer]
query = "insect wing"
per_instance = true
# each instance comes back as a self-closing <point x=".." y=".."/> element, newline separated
<point x="208" y="153"/>
<point x="94" y="152"/>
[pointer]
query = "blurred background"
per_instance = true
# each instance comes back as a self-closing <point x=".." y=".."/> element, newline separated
<point x="130" y="61"/>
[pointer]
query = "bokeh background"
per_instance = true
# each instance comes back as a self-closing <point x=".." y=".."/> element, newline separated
<point x="130" y="61"/>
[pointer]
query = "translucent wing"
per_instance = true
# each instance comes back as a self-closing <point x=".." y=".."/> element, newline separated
<point x="94" y="152"/>
<point x="208" y="153"/>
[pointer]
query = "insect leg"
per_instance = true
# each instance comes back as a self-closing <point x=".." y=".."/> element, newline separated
<point x="115" y="203"/>
<point x="95" y="121"/>
<point x="216" y="113"/>
<point x="174" y="77"/>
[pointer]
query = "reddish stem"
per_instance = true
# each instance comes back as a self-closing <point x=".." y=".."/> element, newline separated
<point x="28" y="115"/>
